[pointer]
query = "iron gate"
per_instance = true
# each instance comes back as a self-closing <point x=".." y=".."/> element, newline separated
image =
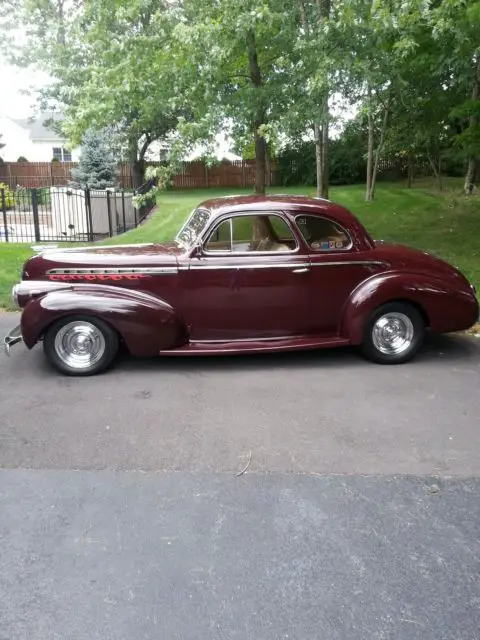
<point x="69" y="214"/>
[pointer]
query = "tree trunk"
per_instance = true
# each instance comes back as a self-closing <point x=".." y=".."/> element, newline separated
<point x="437" y="171"/>
<point x="268" y="181"/>
<point x="410" y="171"/>
<point x="138" y="171"/>
<point x="378" y="151"/>
<point x="469" y="185"/>
<point x="325" y="176"/>
<point x="470" y="177"/>
<point x="259" y="118"/>
<point x="318" y="157"/>
<point x="136" y="159"/>
<point x="368" y="192"/>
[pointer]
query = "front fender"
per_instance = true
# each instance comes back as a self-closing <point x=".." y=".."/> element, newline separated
<point x="445" y="305"/>
<point x="146" y="323"/>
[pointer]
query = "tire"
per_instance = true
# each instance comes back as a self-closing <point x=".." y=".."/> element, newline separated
<point x="393" y="334"/>
<point x="80" y="345"/>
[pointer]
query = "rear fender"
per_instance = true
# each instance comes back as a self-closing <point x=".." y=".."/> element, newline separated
<point x="444" y="305"/>
<point x="146" y="323"/>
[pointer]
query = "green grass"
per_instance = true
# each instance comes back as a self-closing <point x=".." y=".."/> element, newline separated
<point x="445" y="224"/>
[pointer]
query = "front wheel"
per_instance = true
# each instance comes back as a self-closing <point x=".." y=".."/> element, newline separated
<point x="394" y="333"/>
<point x="80" y="345"/>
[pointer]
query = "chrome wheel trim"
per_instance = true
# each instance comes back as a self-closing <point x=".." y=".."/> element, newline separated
<point x="79" y="344"/>
<point x="393" y="333"/>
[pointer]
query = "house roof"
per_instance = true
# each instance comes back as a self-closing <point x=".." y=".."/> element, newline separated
<point x="37" y="129"/>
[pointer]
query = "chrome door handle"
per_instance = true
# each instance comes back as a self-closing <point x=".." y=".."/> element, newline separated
<point x="301" y="270"/>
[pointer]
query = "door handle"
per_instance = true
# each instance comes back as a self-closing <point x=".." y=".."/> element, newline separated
<point x="301" y="270"/>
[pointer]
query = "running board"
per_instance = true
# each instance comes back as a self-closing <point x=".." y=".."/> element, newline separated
<point x="252" y="346"/>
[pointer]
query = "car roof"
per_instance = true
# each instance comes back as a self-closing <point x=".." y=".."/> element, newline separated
<point x="305" y="204"/>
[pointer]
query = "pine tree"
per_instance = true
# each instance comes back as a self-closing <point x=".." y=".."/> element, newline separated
<point x="97" y="167"/>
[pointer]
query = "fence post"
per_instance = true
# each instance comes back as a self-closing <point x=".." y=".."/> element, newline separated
<point x="4" y="211"/>
<point x="88" y="209"/>
<point x="244" y="174"/>
<point x="110" y="227"/>
<point x="123" y="211"/>
<point x="36" y="221"/>
<point x="206" y="175"/>
<point x="135" y="210"/>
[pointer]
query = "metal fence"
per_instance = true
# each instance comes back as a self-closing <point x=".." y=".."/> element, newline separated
<point x="68" y="214"/>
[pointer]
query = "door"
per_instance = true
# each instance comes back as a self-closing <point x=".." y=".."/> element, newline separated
<point x="337" y="267"/>
<point x="250" y="281"/>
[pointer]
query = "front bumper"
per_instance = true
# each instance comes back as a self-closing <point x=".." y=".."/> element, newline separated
<point x="12" y="338"/>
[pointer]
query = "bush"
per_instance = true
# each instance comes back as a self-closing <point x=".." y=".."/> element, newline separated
<point x="8" y="195"/>
<point x="23" y="197"/>
<point x="22" y="159"/>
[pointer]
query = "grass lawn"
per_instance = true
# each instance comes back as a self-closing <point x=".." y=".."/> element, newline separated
<point x="445" y="224"/>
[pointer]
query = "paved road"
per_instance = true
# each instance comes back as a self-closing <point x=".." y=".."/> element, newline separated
<point x="121" y="515"/>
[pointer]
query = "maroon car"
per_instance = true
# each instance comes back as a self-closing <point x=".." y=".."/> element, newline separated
<point x="244" y="274"/>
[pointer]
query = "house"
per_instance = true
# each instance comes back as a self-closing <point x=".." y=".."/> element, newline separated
<point x="33" y="140"/>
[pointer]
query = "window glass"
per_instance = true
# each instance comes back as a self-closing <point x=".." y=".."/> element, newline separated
<point x="57" y="153"/>
<point x="67" y="155"/>
<point x="193" y="227"/>
<point x="322" y="234"/>
<point x="252" y="233"/>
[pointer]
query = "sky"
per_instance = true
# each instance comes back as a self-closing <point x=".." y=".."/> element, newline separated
<point x="13" y="80"/>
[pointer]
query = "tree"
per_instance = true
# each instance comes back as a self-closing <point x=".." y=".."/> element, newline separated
<point x="232" y="60"/>
<point x="316" y="30"/>
<point x="456" y="24"/>
<point x="100" y="58"/>
<point x="97" y="167"/>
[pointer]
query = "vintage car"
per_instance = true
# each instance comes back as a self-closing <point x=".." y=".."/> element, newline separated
<point x="244" y="274"/>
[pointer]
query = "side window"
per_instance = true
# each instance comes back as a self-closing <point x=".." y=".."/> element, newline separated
<point x="322" y="234"/>
<point x="252" y="233"/>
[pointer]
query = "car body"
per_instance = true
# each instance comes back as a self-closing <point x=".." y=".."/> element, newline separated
<point x="244" y="274"/>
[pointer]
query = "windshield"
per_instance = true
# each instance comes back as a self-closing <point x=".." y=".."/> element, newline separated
<point x="193" y="227"/>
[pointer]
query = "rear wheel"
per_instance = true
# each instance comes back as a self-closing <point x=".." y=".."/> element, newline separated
<point x="80" y="345"/>
<point x="394" y="333"/>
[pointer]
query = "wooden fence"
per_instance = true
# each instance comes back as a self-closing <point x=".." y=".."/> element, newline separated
<point x="194" y="175"/>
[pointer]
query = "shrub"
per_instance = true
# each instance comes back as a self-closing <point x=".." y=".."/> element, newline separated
<point x="23" y="197"/>
<point x="22" y="159"/>
<point x="8" y="194"/>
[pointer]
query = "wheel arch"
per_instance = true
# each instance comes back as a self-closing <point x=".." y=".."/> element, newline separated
<point x="404" y="288"/>
<point x="144" y="323"/>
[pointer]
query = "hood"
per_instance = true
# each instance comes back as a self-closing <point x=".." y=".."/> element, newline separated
<point x="114" y="256"/>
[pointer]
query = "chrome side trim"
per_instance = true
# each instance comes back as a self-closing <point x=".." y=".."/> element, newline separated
<point x="342" y="263"/>
<point x="114" y="271"/>
<point x="235" y="340"/>
<point x="291" y="265"/>
<point x="277" y="265"/>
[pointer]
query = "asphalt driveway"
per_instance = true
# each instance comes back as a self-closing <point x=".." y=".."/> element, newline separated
<point x="121" y="515"/>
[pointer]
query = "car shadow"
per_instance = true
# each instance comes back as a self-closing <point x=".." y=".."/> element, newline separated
<point x="450" y="348"/>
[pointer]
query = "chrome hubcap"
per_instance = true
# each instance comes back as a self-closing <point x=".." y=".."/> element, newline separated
<point x="79" y="344"/>
<point x="393" y="333"/>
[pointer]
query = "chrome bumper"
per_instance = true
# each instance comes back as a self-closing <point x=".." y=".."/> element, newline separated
<point x="12" y="338"/>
